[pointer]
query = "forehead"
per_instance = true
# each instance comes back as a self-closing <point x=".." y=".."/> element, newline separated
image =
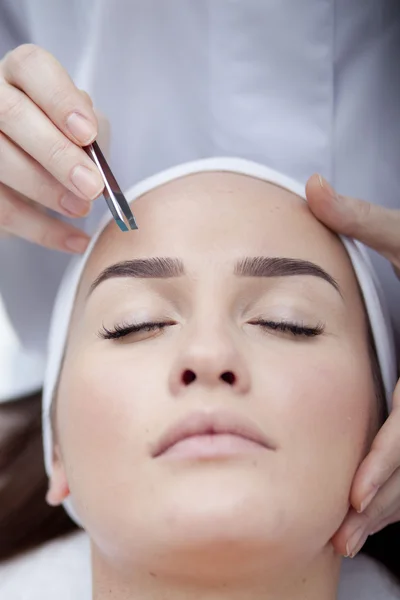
<point x="216" y="218"/>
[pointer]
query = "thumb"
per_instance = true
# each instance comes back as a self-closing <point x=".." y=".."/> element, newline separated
<point x="104" y="135"/>
<point x="371" y="224"/>
<point x="87" y="97"/>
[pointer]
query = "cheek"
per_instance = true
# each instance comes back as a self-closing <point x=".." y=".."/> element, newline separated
<point x="321" y="404"/>
<point x="103" y="415"/>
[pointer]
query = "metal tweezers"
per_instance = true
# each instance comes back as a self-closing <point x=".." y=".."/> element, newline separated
<point x="115" y="199"/>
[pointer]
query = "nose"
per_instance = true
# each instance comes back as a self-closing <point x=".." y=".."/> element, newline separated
<point x="210" y="359"/>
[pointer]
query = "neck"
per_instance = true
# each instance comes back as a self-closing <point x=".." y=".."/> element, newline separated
<point x="316" y="581"/>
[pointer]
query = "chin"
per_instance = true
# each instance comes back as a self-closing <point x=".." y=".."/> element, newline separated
<point x="237" y="535"/>
<point x="211" y="545"/>
<point x="215" y="518"/>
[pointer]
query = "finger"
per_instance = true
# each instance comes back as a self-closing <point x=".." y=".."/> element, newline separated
<point x="88" y="99"/>
<point x="356" y="527"/>
<point x="374" y="225"/>
<point x="104" y="136"/>
<point x="382" y="460"/>
<point x="56" y="95"/>
<point x="20" y="172"/>
<point x="21" y="219"/>
<point x="26" y="125"/>
<point x="394" y="518"/>
<point x="351" y="535"/>
<point x="386" y="502"/>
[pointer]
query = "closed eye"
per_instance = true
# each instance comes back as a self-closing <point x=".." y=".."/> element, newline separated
<point x="124" y="329"/>
<point x="295" y="329"/>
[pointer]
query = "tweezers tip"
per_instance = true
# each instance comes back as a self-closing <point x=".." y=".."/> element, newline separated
<point x="121" y="225"/>
<point x="132" y="223"/>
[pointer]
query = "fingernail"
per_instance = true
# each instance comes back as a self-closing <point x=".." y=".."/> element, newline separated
<point x="75" y="206"/>
<point x="77" y="243"/>
<point x="88" y="183"/>
<point x="82" y="129"/>
<point x="356" y="542"/>
<point x="326" y="186"/>
<point x="368" y="499"/>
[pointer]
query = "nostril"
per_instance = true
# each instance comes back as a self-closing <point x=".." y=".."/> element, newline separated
<point x="228" y="377"/>
<point x="188" y="377"/>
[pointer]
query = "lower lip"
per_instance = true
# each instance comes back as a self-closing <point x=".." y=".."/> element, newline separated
<point x="212" y="446"/>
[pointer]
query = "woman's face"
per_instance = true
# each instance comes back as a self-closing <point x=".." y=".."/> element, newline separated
<point x="221" y="364"/>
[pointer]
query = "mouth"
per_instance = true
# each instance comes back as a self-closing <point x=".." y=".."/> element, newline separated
<point x="211" y="434"/>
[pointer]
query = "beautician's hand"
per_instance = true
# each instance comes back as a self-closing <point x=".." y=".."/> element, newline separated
<point x="44" y="122"/>
<point x="375" y="491"/>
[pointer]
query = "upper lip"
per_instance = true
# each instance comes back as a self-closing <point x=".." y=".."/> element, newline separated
<point x="217" y="422"/>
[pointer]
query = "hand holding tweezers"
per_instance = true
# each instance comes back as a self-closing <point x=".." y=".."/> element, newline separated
<point x="115" y="199"/>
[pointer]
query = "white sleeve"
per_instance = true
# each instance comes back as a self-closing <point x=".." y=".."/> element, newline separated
<point x="29" y="274"/>
<point x="13" y="25"/>
<point x="29" y="278"/>
<point x="18" y="367"/>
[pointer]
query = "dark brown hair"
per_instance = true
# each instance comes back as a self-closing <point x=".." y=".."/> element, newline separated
<point x="26" y="521"/>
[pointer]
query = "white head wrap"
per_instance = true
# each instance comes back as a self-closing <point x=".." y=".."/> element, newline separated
<point x="373" y="297"/>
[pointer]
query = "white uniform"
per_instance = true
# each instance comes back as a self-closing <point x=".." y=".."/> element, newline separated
<point x="299" y="85"/>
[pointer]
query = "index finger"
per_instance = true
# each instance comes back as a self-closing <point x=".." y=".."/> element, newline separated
<point x="44" y="80"/>
<point x="382" y="460"/>
<point x="372" y="224"/>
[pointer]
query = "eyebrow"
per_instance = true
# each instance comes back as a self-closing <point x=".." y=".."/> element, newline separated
<point x="142" y="268"/>
<point x="264" y="266"/>
<point x="259" y="266"/>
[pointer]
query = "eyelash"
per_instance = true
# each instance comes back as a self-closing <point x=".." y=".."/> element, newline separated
<point x="295" y="329"/>
<point x="125" y="329"/>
